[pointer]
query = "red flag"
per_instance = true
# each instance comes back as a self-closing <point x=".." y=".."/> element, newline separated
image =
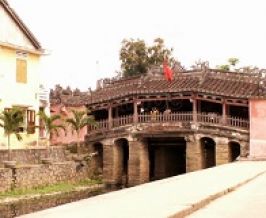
<point x="168" y="73"/>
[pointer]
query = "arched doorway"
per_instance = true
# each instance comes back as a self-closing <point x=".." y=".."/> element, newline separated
<point x="121" y="155"/>
<point x="234" y="151"/>
<point x="98" y="157"/>
<point x="208" y="152"/>
<point x="167" y="157"/>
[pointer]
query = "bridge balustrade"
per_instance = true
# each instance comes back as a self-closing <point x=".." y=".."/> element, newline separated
<point x="184" y="117"/>
<point x="122" y="121"/>
<point x="238" y="122"/>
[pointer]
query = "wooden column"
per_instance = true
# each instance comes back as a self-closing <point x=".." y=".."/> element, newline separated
<point x="224" y="112"/>
<point x="194" y="109"/>
<point x="110" y="118"/>
<point x="135" y="113"/>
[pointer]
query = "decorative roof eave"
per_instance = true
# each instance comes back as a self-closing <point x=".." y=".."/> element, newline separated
<point x="20" y="48"/>
<point x="159" y="92"/>
<point x="22" y="26"/>
<point x="209" y="82"/>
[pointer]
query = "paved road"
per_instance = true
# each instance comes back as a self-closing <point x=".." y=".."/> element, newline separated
<point x="164" y="198"/>
<point x="248" y="201"/>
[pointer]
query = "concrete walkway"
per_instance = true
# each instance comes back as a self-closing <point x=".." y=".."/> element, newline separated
<point x="174" y="197"/>
<point x="246" y="202"/>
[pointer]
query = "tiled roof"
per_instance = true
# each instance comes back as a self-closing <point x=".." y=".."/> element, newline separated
<point x="213" y="82"/>
<point x="68" y="97"/>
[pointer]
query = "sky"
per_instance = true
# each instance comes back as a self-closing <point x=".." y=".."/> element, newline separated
<point x="83" y="37"/>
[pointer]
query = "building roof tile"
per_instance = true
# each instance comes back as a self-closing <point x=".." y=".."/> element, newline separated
<point x="214" y="82"/>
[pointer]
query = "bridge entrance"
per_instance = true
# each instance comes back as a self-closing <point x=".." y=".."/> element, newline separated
<point x="98" y="158"/>
<point x="234" y="151"/>
<point x="121" y="152"/>
<point x="208" y="152"/>
<point x="167" y="157"/>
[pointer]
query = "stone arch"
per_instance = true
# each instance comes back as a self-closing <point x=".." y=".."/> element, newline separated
<point x="121" y="158"/>
<point x="208" y="151"/>
<point x="167" y="156"/>
<point x="234" y="150"/>
<point x="97" y="154"/>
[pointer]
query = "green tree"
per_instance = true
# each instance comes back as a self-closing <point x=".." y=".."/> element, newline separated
<point x="157" y="53"/>
<point x="11" y="122"/>
<point x="136" y="57"/>
<point x="224" y="67"/>
<point x="50" y="125"/>
<point x="230" y="66"/>
<point x="79" y="120"/>
<point x="233" y="61"/>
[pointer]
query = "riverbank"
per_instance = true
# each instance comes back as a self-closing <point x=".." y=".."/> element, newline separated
<point x="172" y="197"/>
<point x="19" y="202"/>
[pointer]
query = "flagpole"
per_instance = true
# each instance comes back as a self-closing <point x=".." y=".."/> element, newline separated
<point x="97" y="67"/>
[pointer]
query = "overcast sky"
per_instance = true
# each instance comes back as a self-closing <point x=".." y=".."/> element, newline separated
<point x="84" y="36"/>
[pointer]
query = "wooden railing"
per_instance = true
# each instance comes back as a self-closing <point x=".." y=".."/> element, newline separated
<point x="184" y="117"/>
<point x="171" y="117"/>
<point x="237" y="122"/>
<point x="122" y="121"/>
<point x="100" y="125"/>
<point x="209" y="118"/>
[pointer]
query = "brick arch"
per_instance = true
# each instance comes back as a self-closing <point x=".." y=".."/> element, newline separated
<point x="120" y="141"/>
<point x="97" y="154"/>
<point x="208" y="152"/>
<point x="234" y="150"/>
<point x="121" y="158"/>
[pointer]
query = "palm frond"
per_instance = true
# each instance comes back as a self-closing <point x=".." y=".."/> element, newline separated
<point x="12" y="120"/>
<point x="51" y="123"/>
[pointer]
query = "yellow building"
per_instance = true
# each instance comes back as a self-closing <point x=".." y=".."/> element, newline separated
<point x="19" y="74"/>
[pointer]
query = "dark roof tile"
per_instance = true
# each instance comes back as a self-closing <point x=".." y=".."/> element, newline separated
<point x="230" y="84"/>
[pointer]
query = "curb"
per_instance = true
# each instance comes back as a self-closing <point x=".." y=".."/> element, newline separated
<point x="202" y="203"/>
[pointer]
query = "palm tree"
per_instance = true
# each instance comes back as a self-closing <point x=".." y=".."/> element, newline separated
<point x="79" y="120"/>
<point x="49" y="123"/>
<point x="11" y="122"/>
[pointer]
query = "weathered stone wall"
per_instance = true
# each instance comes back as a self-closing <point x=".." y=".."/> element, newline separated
<point x="37" y="203"/>
<point x="108" y="164"/>
<point x="43" y="174"/>
<point x="33" y="156"/>
<point x="146" y="163"/>
<point x="222" y="151"/>
<point x="133" y="163"/>
<point x="5" y="179"/>
<point x="194" y="156"/>
<point x="138" y="165"/>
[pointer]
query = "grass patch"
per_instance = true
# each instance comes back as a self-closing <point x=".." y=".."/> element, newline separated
<point x="59" y="187"/>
